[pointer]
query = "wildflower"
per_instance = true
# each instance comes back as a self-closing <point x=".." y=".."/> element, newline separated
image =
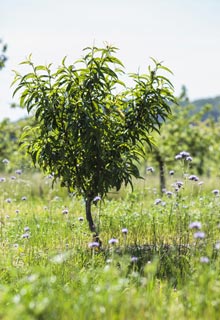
<point x="96" y="199"/>
<point x="171" y="172"/>
<point x="150" y="169"/>
<point x="193" y="178"/>
<point x="15" y="245"/>
<point x="204" y="260"/>
<point x="199" y="235"/>
<point x="195" y="225"/>
<point x="217" y="245"/>
<point x="134" y="259"/>
<point x="189" y="158"/>
<point x="8" y="200"/>
<point x="19" y="172"/>
<point x="169" y="194"/>
<point x="184" y="154"/>
<point x="200" y="183"/>
<point x="157" y="201"/>
<point x="80" y="219"/>
<point x="24" y="198"/>
<point x="13" y="178"/>
<point x="7" y="216"/>
<point x="215" y="192"/>
<point x="26" y="229"/>
<point x="25" y="236"/>
<point x="93" y="244"/>
<point x="124" y="230"/>
<point x="65" y="211"/>
<point x="108" y="261"/>
<point x="17" y="211"/>
<point x="2" y="179"/>
<point x="178" y="157"/>
<point x="5" y="161"/>
<point x="113" y="241"/>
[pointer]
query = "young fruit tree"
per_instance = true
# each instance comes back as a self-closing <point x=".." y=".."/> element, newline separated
<point x="90" y="128"/>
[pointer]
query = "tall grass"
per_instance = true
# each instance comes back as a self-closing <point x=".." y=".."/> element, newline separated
<point x="164" y="265"/>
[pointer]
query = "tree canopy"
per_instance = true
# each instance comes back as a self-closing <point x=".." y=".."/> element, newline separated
<point x="90" y="126"/>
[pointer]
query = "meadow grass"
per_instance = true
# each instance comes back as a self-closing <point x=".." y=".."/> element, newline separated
<point x="164" y="263"/>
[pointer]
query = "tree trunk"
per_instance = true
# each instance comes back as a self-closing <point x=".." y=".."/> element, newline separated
<point x="89" y="215"/>
<point x="162" y="175"/>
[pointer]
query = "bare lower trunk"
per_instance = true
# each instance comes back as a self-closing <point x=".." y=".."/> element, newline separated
<point x="162" y="175"/>
<point x="89" y="215"/>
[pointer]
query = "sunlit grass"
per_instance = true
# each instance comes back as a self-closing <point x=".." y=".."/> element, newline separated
<point x="162" y="267"/>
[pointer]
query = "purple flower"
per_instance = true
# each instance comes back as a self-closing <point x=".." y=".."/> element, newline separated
<point x="157" y="201"/>
<point x="134" y="259"/>
<point x="216" y="192"/>
<point x="189" y="158"/>
<point x="124" y="230"/>
<point x="25" y="236"/>
<point x="178" y="157"/>
<point x="113" y="241"/>
<point x="195" y="225"/>
<point x="26" y="229"/>
<point x="2" y="179"/>
<point x="5" y="161"/>
<point x="193" y="178"/>
<point x="24" y="198"/>
<point x="169" y="194"/>
<point x="150" y="169"/>
<point x="204" y="260"/>
<point x="184" y="154"/>
<point x="93" y="244"/>
<point x="13" y="178"/>
<point x="8" y="200"/>
<point x="171" y="173"/>
<point x="199" y="235"/>
<point x="80" y="219"/>
<point x="217" y="245"/>
<point x="96" y="199"/>
<point x="19" y="172"/>
<point x="65" y="211"/>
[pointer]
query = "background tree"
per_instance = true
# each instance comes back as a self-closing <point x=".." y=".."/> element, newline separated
<point x="3" y="57"/>
<point x="90" y="128"/>
<point x="185" y="131"/>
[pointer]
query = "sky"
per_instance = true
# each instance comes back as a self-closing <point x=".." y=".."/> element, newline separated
<point x="184" y="34"/>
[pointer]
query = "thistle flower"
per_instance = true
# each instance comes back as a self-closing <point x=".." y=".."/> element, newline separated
<point x="193" y="178"/>
<point x="13" y="178"/>
<point x="8" y="200"/>
<point x="24" y="198"/>
<point x="195" y="225"/>
<point x="124" y="230"/>
<point x="169" y="194"/>
<point x="2" y="179"/>
<point x="134" y="259"/>
<point x="189" y="158"/>
<point x="19" y="172"/>
<point x="199" y="235"/>
<point x="215" y="192"/>
<point x="80" y="219"/>
<point x="150" y="169"/>
<point x="65" y="211"/>
<point x="93" y="244"/>
<point x="113" y="241"/>
<point x="96" y="199"/>
<point x="184" y="154"/>
<point x="26" y="229"/>
<point x="217" y="245"/>
<point x="204" y="260"/>
<point x="157" y="201"/>
<point x="25" y="235"/>
<point x="171" y="172"/>
<point x="5" y="161"/>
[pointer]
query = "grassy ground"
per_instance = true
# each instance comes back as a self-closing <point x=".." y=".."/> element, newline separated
<point x="164" y="263"/>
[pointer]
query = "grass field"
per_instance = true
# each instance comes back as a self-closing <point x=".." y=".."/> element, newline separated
<point x="159" y="257"/>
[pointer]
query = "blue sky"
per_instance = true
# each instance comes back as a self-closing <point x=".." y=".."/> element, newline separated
<point x="185" y="34"/>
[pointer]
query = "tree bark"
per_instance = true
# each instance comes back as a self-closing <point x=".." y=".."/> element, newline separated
<point x="162" y="175"/>
<point x="89" y="215"/>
